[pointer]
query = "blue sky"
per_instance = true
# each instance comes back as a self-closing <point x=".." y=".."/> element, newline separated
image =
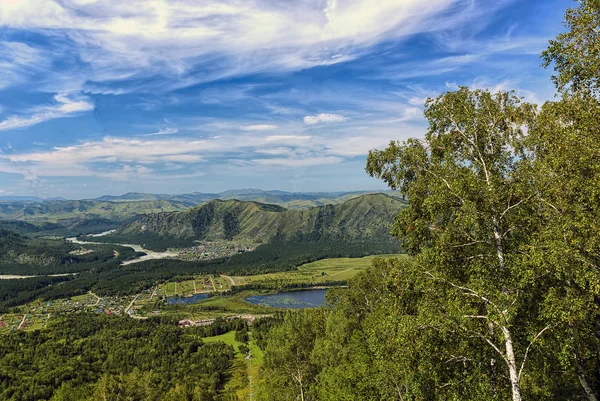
<point x="173" y="96"/>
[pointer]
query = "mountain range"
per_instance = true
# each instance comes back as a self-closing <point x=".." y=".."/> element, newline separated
<point x="363" y="218"/>
<point x="133" y="204"/>
<point x="293" y="200"/>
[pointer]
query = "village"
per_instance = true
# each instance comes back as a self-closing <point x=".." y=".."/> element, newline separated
<point x="36" y="315"/>
<point x="207" y="250"/>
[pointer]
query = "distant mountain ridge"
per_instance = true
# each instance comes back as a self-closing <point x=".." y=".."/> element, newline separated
<point x="366" y="217"/>
<point x="71" y="211"/>
<point x="295" y="200"/>
<point x="74" y="217"/>
<point x="28" y="199"/>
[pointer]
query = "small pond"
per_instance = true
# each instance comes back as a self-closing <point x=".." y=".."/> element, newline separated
<point x="187" y="300"/>
<point x="291" y="300"/>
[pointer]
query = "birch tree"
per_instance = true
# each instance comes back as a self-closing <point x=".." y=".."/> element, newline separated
<point x="567" y="140"/>
<point x="472" y="210"/>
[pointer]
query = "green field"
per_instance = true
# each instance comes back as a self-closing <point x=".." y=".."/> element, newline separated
<point x="200" y="284"/>
<point x="243" y="368"/>
<point x="227" y="338"/>
<point x="334" y="269"/>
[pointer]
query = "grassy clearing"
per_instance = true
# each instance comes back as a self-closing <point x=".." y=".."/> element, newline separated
<point x="254" y="368"/>
<point x="245" y="372"/>
<point x="334" y="269"/>
<point x="229" y="339"/>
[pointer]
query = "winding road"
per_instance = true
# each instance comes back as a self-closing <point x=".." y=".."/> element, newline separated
<point x="97" y="297"/>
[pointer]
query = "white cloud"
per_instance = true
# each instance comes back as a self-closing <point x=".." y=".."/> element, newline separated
<point x="122" y="159"/>
<point x="297" y="162"/>
<point x="18" y="60"/>
<point x="259" y="127"/>
<point x="182" y="158"/>
<point x="118" y="40"/>
<point x="128" y="173"/>
<point x="417" y="101"/>
<point x="166" y="131"/>
<point x="286" y="138"/>
<point x="111" y="150"/>
<point x="64" y="107"/>
<point x="324" y="118"/>
<point x="276" y="151"/>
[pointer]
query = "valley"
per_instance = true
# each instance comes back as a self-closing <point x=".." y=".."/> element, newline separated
<point x="228" y="250"/>
<point x="474" y="276"/>
<point x="217" y="301"/>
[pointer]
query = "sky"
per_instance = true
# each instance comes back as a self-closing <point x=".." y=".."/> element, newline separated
<point x="175" y="96"/>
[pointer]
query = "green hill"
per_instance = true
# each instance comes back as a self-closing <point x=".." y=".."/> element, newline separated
<point x="368" y="217"/>
<point x="70" y="212"/>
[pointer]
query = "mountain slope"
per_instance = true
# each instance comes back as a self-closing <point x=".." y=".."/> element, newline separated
<point x="74" y="210"/>
<point x="368" y="217"/>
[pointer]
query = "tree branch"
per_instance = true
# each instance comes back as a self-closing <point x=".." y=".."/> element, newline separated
<point x="513" y="206"/>
<point x="529" y="347"/>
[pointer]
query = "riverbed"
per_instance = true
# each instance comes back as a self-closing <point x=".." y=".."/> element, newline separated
<point x="149" y="255"/>
<point x="15" y="276"/>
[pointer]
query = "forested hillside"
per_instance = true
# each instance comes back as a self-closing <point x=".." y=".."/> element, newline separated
<point x="28" y="256"/>
<point x="71" y="211"/>
<point x="367" y="217"/>
<point x="109" y="358"/>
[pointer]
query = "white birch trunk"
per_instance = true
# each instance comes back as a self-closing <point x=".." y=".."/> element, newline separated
<point x="512" y="366"/>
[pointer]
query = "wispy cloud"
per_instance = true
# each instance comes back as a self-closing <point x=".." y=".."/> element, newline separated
<point x="166" y="131"/>
<point x="64" y="107"/>
<point x="298" y="162"/>
<point x="18" y="61"/>
<point x="324" y="118"/>
<point x="287" y="138"/>
<point x="121" y="41"/>
<point x="120" y="158"/>
<point x="259" y="127"/>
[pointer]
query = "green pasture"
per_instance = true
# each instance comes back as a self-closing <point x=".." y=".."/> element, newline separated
<point x="333" y="269"/>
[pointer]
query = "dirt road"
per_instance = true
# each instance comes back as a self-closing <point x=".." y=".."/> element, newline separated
<point x="98" y="299"/>
<point x="131" y="304"/>
<point x="22" y="322"/>
<point x="228" y="278"/>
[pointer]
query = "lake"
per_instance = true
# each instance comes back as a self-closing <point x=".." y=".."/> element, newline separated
<point x="291" y="300"/>
<point x="187" y="300"/>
